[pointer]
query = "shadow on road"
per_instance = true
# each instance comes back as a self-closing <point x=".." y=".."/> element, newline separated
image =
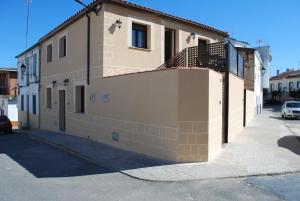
<point x="42" y="160"/>
<point x="291" y="143"/>
<point x="276" y="108"/>
<point x="276" y="117"/>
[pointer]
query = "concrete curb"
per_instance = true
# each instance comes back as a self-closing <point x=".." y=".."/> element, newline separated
<point x="89" y="159"/>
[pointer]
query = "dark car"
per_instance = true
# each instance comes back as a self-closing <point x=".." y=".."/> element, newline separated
<point x="5" y="124"/>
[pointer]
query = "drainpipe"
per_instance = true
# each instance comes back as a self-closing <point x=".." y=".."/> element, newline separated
<point x="88" y="48"/>
<point x="95" y="8"/>
<point x="39" y="86"/>
<point x="226" y="98"/>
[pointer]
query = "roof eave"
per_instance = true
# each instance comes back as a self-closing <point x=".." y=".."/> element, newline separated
<point x="83" y="11"/>
<point x="27" y="50"/>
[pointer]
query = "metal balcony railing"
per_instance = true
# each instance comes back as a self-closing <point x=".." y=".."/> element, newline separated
<point x="219" y="56"/>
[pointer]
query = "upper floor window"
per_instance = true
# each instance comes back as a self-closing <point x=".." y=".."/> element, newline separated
<point x="49" y="53"/>
<point x="279" y="87"/>
<point x="34" y="64"/>
<point x="63" y="46"/>
<point x="3" y="80"/>
<point x="139" y="36"/>
<point x="298" y="84"/>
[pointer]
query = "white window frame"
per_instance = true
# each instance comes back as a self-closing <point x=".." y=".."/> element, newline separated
<point x="150" y="32"/>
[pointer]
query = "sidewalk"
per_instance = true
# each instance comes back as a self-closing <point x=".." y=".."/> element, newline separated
<point x="265" y="147"/>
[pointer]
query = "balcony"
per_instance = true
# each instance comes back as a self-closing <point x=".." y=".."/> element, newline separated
<point x="221" y="56"/>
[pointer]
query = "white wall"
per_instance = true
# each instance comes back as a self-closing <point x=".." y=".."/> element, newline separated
<point x="13" y="112"/>
<point x="285" y="83"/>
<point x="258" y="83"/>
<point x="29" y="86"/>
<point x="33" y="87"/>
<point x="265" y="54"/>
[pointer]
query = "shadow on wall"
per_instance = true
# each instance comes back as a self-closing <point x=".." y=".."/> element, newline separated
<point x="291" y="143"/>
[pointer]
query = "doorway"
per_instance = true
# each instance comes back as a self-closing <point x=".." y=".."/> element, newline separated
<point x="202" y="50"/>
<point x="62" y="110"/>
<point x="170" y="44"/>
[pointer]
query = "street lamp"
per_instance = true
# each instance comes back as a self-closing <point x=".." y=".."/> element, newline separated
<point x="263" y="70"/>
<point x="23" y="68"/>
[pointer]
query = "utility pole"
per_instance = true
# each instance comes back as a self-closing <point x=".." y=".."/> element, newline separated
<point x="259" y="42"/>
<point x="27" y="21"/>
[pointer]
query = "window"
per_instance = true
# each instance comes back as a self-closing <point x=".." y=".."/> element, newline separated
<point x="271" y="87"/>
<point x="22" y="102"/>
<point x="79" y="99"/>
<point x="298" y="84"/>
<point x="49" y="53"/>
<point x="27" y="103"/>
<point x="284" y="89"/>
<point x="291" y="86"/>
<point x="3" y="80"/>
<point x="34" y="64"/>
<point x="63" y="46"/>
<point x="49" y="97"/>
<point x="34" y="104"/>
<point x="139" y="36"/>
<point x="279" y="87"/>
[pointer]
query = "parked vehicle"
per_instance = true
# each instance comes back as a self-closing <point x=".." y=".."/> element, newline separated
<point x="290" y="109"/>
<point x="5" y="124"/>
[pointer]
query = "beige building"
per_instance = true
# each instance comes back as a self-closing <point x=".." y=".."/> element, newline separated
<point x="141" y="80"/>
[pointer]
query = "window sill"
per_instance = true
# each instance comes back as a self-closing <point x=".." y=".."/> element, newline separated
<point x="141" y="49"/>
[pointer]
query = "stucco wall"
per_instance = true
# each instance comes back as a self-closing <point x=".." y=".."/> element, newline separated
<point x="215" y="113"/>
<point x="119" y="56"/>
<point x="250" y="106"/>
<point x="193" y="115"/>
<point x="163" y="114"/>
<point x="33" y="119"/>
<point x="236" y="106"/>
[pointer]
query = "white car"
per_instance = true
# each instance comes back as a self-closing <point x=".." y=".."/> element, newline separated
<point x="290" y="109"/>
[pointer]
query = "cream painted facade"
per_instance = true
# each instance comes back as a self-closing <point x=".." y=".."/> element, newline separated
<point x="236" y="106"/>
<point x="120" y="57"/>
<point x="250" y="106"/>
<point x="173" y="114"/>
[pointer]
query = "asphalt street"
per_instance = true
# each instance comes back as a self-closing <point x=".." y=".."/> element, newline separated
<point x="33" y="171"/>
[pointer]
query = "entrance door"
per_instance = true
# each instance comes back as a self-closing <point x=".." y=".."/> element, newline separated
<point x="201" y="51"/>
<point x="62" y="110"/>
<point x="169" y="43"/>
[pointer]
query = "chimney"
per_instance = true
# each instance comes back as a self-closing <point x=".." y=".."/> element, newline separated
<point x="278" y="72"/>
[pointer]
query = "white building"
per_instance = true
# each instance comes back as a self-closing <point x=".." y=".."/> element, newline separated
<point x="258" y="70"/>
<point x="28" y="83"/>
<point x="286" y="81"/>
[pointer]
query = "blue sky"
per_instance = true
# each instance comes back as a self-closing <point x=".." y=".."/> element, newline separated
<point x="276" y="22"/>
